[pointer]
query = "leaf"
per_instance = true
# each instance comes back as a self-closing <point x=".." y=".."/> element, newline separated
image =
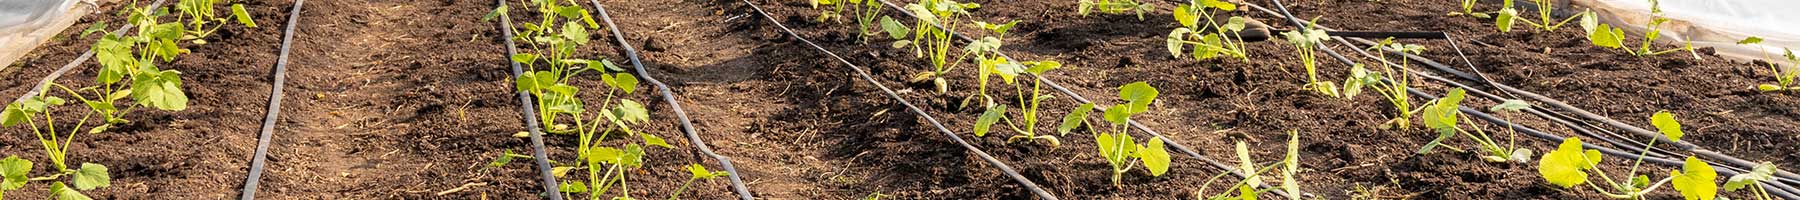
<point x="631" y="111"/>
<point x="1606" y="36"/>
<point x="1762" y="172"/>
<point x="13" y="115"/>
<point x="1505" y="21"/>
<point x="1155" y="157"/>
<point x="525" y="58"/>
<point x="1246" y="193"/>
<point x="575" y="33"/>
<point x="1564" y="166"/>
<point x="96" y="27"/>
<point x="502" y="160"/>
<point x="1139" y="95"/>
<point x="653" y="140"/>
<point x="243" y="17"/>
<point x="1074" y="119"/>
<point x="573" y="187"/>
<point x="1589" y="22"/>
<point x="988" y="118"/>
<point x="1513" y="105"/>
<point x="624" y="81"/>
<point x="984" y="45"/>
<point x="1750" y="40"/>
<point x="63" y="192"/>
<point x="1442" y="135"/>
<point x="1185" y="16"/>
<point x="1221" y="5"/>
<point x="1247" y="166"/>
<point x="559" y="172"/>
<point x="697" y="171"/>
<point x="161" y="90"/>
<point x="527" y="81"/>
<point x="1007" y="70"/>
<point x="16" y="172"/>
<point x="1665" y="123"/>
<point x="1117" y="115"/>
<point x="604" y="154"/>
<point x="498" y="11"/>
<point x="92" y="176"/>
<point x="894" y="28"/>
<point x="1695" y="180"/>
<point x="1292" y="164"/>
<point x="1175" y="41"/>
<point x="634" y="156"/>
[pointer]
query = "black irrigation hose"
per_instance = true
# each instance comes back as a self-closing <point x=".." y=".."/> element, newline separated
<point x="261" y="157"/>
<point x="909" y="106"/>
<point x="668" y="96"/>
<point x="1140" y="126"/>
<point x="1779" y="187"/>
<point x="529" y="108"/>
<point x="43" y="85"/>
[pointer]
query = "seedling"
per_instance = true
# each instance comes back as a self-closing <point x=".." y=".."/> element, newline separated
<point x="930" y="40"/>
<point x="1468" y="8"/>
<point x="1114" y="7"/>
<point x="1607" y="36"/>
<point x="696" y="172"/>
<point x="1211" y="41"/>
<point x="200" y="13"/>
<point x="1389" y="82"/>
<point x="1245" y="189"/>
<point x="1569" y="165"/>
<point x="1028" y="102"/>
<point x="1508" y="15"/>
<point x="1441" y="116"/>
<point x="55" y="142"/>
<point x="1763" y="172"/>
<point x="1305" y="41"/>
<point x="1784" y="76"/>
<point x="866" y="12"/>
<point x="1121" y="152"/>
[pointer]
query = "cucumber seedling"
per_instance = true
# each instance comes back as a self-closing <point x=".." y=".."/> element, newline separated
<point x="1468" y="8"/>
<point x="1116" y="145"/>
<point x="1027" y="121"/>
<point x="1114" y="7"/>
<point x="1246" y="188"/>
<point x="696" y="172"/>
<point x="200" y="13"/>
<point x="1305" y="42"/>
<point x="1763" y="172"/>
<point x="1214" y="39"/>
<point x="866" y="12"/>
<point x="1508" y="15"/>
<point x="1442" y="117"/>
<point x="1604" y="35"/>
<point x="1390" y="83"/>
<point x="928" y="40"/>
<point x="1570" y="164"/>
<point x="1784" y="75"/>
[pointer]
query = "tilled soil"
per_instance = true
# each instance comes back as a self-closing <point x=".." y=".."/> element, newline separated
<point x="404" y="99"/>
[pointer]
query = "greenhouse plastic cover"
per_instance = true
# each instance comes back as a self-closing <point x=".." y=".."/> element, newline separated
<point x="24" y="24"/>
<point x="1712" y="23"/>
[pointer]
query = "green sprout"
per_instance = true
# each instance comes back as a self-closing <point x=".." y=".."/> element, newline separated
<point x="1116" y="145"/>
<point x="1224" y="40"/>
<point x="1784" y="77"/>
<point x="1305" y="42"/>
<point x="1604" y="35"/>
<point x="1508" y="15"/>
<point x="1028" y="102"/>
<point x="1570" y="164"/>
<point x="1114" y="7"/>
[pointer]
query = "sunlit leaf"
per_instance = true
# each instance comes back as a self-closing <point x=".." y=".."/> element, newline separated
<point x="1665" y="123"/>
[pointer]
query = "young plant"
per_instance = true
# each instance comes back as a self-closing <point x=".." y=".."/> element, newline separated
<point x="928" y="40"/>
<point x="696" y="172"/>
<point x="1305" y="41"/>
<point x="1114" y="7"/>
<point x="1763" y="172"/>
<point x="1389" y="82"/>
<point x="1028" y="103"/>
<point x="1607" y="36"/>
<point x="1569" y="165"/>
<point x="1784" y="75"/>
<point x="866" y="12"/>
<point x="1121" y="152"/>
<point x="1245" y="189"/>
<point x="1468" y="8"/>
<point x="1210" y="41"/>
<point x="1508" y="15"/>
<point x="1441" y="116"/>
<point x="200" y="12"/>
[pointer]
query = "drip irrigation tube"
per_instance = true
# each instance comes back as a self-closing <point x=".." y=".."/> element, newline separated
<point x="261" y="156"/>
<point x="42" y="85"/>
<point x="1778" y="188"/>
<point x="1140" y="126"/>
<point x="909" y="106"/>
<point x="668" y="96"/>
<point x="530" y="111"/>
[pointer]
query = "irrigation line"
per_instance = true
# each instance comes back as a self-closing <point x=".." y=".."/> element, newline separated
<point x="529" y="109"/>
<point x="45" y="84"/>
<point x="1778" y="187"/>
<point x="668" y="96"/>
<point x="909" y="106"/>
<point x="261" y="157"/>
<point x="1140" y="126"/>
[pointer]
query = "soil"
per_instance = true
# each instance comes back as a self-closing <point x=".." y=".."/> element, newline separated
<point x="405" y="99"/>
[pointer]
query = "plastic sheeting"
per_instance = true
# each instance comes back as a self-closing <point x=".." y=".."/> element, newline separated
<point x="1712" y="23"/>
<point x="24" y="24"/>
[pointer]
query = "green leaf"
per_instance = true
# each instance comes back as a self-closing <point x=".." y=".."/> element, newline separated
<point x="634" y="156"/>
<point x="1246" y="193"/>
<point x="575" y="33"/>
<point x="894" y="28"/>
<point x="985" y="44"/>
<point x="63" y="192"/>
<point x="1589" y="22"/>
<point x="653" y="140"/>
<point x="16" y="172"/>
<point x="1041" y="67"/>
<point x="1513" y="105"/>
<point x="1175" y="41"/>
<point x="1155" y="157"/>
<point x="699" y="172"/>
<point x="1246" y="165"/>
<point x="988" y="118"/>
<point x="1292" y="164"/>
<point x="631" y="111"/>
<point x="525" y="58"/>
<point x="161" y="90"/>
<point x="1606" y="36"/>
<point x="92" y="176"/>
<point x="1665" y="123"/>
<point x="96" y="27"/>
<point x="502" y="160"/>
<point x="243" y="17"/>
<point x="13" y="115"/>
<point x="1762" y="172"/>
<point x="1750" y="40"/>
<point x="1505" y="21"/>
<point x="1442" y="135"/>
<point x="1117" y="115"/>
<point x="624" y="81"/>
<point x="1695" y="180"/>
<point x="1139" y="95"/>
<point x="1074" y="119"/>
<point x="573" y="187"/>
<point x="1007" y="70"/>
<point x="1221" y="5"/>
<point x="498" y="11"/>
<point x="1185" y="16"/>
<point x="1565" y="166"/>
<point x="527" y="81"/>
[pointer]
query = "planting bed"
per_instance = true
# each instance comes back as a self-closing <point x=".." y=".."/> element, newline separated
<point x="400" y="99"/>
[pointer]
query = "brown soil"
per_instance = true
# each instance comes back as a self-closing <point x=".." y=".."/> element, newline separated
<point x="403" y="99"/>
